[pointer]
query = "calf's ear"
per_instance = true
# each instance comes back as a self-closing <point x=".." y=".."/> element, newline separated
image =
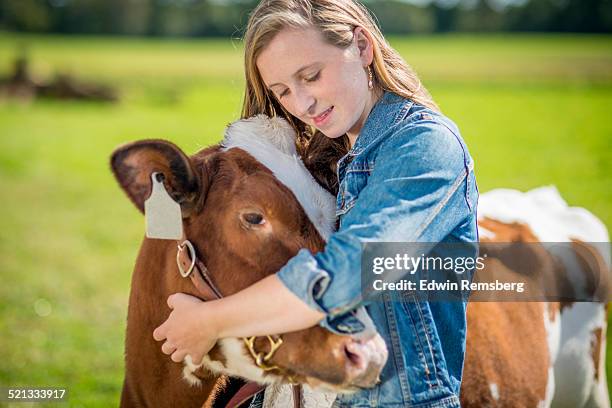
<point x="134" y="163"/>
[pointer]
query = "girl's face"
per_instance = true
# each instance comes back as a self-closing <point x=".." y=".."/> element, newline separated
<point x="320" y="84"/>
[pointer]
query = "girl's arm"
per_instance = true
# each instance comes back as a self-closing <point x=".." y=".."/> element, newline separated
<point x="266" y="307"/>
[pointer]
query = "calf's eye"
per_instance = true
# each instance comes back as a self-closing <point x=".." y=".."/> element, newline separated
<point x="253" y="218"/>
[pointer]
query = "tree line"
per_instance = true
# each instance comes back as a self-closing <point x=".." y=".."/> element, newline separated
<point x="196" y="18"/>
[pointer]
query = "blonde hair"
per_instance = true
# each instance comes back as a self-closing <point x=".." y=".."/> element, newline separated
<point x="336" y="20"/>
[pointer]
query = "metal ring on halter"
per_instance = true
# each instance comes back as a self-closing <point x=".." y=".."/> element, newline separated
<point x="192" y="256"/>
<point x="259" y="357"/>
<point x="261" y="360"/>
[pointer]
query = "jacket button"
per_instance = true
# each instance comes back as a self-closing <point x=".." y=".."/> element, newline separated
<point x="344" y="328"/>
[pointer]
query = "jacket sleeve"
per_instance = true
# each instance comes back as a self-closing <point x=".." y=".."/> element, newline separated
<point x="416" y="192"/>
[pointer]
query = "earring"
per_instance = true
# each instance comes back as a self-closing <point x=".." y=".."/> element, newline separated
<point x="370" y="78"/>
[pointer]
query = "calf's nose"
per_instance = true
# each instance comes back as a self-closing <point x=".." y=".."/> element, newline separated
<point x="365" y="360"/>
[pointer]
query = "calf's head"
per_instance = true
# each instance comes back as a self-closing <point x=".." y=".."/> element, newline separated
<point x="248" y="206"/>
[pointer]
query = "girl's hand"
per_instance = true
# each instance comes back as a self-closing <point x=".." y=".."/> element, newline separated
<point x="186" y="330"/>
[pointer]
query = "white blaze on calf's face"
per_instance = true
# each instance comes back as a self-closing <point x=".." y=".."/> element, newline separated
<point x="272" y="142"/>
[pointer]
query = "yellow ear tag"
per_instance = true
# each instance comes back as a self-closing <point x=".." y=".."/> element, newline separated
<point x="162" y="214"/>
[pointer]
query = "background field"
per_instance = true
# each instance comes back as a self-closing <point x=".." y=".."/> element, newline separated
<point x="534" y="110"/>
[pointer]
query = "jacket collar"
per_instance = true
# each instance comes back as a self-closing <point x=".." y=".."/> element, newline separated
<point x="388" y="111"/>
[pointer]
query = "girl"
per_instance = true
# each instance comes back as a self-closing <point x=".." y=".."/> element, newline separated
<point x="403" y="174"/>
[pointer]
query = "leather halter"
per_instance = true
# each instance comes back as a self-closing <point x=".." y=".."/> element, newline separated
<point x="190" y="266"/>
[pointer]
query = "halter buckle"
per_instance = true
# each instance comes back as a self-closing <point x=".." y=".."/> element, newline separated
<point x="192" y="256"/>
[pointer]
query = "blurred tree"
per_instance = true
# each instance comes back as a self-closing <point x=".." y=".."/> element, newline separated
<point x="397" y="17"/>
<point x="228" y="17"/>
<point x="135" y="17"/>
<point x="25" y="15"/>
<point x="479" y="16"/>
<point x="561" y="15"/>
<point x="445" y="15"/>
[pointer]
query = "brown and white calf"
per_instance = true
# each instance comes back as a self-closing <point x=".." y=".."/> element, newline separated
<point x="532" y="354"/>
<point x="248" y="206"/>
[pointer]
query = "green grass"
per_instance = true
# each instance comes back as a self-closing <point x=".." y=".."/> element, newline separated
<point x="533" y="109"/>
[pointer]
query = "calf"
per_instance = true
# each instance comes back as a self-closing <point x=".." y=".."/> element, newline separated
<point x="541" y="354"/>
<point x="248" y="206"/>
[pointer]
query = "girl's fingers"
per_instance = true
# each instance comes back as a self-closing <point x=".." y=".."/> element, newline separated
<point x="177" y="356"/>
<point x="170" y="301"/>
<point x="168" y="348"/>
<point x="160" y="333"/>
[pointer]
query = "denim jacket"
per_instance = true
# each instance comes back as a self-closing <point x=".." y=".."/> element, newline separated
<point x="408" y="178"/>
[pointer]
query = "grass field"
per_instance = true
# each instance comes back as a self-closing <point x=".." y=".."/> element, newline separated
<point x="534" y="110"/>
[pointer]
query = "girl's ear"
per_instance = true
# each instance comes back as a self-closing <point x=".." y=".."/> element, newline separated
<point x="365" y="45"/>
